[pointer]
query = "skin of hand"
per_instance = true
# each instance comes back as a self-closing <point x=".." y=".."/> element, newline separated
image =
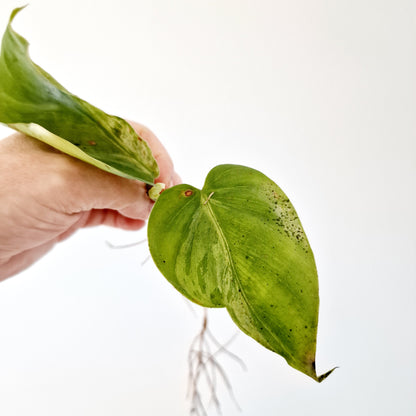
<point x="45" y="196"/>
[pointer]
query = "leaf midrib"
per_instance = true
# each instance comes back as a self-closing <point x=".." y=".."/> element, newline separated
<point x="221" y="235"/>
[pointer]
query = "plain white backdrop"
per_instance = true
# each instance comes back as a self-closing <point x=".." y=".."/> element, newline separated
<point x="321" y="97"/>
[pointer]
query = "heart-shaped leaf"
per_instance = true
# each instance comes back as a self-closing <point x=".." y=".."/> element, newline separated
<point x="34" y="103"/>
<point x="238" y="243"/>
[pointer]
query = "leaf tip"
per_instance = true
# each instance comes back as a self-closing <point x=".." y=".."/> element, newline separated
<point x="322" y="377"/>
<point x="310" y="370"/>
<point x="16" y="11"/>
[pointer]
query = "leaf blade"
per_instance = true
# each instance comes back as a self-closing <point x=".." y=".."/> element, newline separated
<point x="30" y="97"/>
<point x="257" y="260"/>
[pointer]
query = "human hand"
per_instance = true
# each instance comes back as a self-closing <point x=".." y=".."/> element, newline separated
<point x="45" y="196"/>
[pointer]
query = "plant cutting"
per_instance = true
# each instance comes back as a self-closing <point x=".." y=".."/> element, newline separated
<point x="237" y="243"/>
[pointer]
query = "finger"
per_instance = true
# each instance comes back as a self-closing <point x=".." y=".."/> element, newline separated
<point x="74" y="186"/>
<point x="176" y="179"/>
<point x="88" y="188"/>
<point x="113" y="219"/>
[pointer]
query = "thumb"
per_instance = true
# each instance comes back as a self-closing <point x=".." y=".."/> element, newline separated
<point x="89" y="188"/>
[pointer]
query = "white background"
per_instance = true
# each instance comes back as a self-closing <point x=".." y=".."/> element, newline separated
<point x="321" y="97"/>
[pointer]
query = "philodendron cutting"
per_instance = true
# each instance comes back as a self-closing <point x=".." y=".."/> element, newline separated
<point x="236" y="243"/>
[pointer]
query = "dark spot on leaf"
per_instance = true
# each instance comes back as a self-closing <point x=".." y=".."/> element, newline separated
<point x="216" y="296"/>
<point x="92" y="143"/>
<point x="188" y="192"/>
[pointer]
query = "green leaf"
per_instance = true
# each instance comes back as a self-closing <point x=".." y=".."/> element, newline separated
<point x="34" y="103"/>
<point x="238" y="243"/>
